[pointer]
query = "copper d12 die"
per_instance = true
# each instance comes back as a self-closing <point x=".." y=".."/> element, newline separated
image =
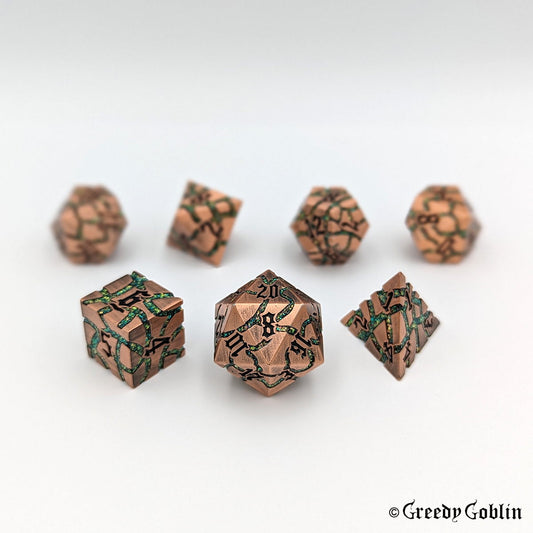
<point x="329" y="225"/>
<point x="394" y="323"/>
<point x="89" y="225"/>
<point x="133" y="327"/>
<point x="203" y="222"/>
<point x="268" y="333"/>
<point x="442" y="224"/>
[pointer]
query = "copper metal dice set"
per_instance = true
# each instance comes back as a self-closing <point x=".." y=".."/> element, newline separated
<point x="268" y="333"/>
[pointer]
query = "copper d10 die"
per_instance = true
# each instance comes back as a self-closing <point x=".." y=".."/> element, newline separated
<point x="89" y="225"/>
<point x="133" y="327"/>
<point x="268" y="333"/>
<point x="203" y="222"/>
<point x="394" y="323"/>
<point x="442" y="224"/>
<point x="330" y="225"/>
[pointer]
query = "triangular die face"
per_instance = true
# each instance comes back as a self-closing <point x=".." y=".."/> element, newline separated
<point x="203" y="222"/>
<point x="395" y="323"/>
<point x="397" y="281"/>
<point x="320" y="200"/>
<point x="259" y="329"/>
<point x="270" y="386"/>
<point x="275" y="289"/>
<point x="253" y="338"/>
<point x="268" y="341"/>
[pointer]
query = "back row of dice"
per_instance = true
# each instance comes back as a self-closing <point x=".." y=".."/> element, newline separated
<point x="268" y="333"/>
<point x="329" y="225"/>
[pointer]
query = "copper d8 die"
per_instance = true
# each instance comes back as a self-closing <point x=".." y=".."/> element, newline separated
<point x="203" y="222"/>
<point x="133" y="327"/>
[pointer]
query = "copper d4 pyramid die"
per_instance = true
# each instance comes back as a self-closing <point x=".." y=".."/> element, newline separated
<point x="395" y="324"/>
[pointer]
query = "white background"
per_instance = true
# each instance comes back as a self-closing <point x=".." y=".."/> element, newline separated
<point x="263" y="100"/>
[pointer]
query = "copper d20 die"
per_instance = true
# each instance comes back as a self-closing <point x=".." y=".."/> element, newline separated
<point x="394" y="323"/>
<point x="133" y="327"/>
<point x="89" y="225"/>
<point x="203" y="222"/>
<point x="442" y="224"/>
<point x="329" y="225"/>
<point x="268" y="333"/>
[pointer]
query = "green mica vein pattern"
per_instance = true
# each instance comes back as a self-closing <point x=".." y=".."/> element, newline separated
<point x="333" y="222"/>
<point x="297" y="333"/>
<point x="394" y="323"/>
<point x="197" y="202"/>
<point x="443" y="224"/>
<point x="132" y="302"/>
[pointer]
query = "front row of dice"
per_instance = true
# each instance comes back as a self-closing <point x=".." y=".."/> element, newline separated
<point x="329" y="224"/>
<point x="268" y="333"/>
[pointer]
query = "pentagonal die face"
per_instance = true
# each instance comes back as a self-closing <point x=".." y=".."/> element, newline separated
<point x="133" y="327"/>
<point x="329" y="225"/>
<point x="203" y="222"/>
<point x="442" y="224"/>
<point x="268" y="333"/>
<point x="89" y="225"/>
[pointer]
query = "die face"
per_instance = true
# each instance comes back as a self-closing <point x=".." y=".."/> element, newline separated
<point x="89" y="225"/>
<point x="442" y="224"/>
<point x="134" y="327"/>
<point x="394" y="324"/>
<point x="203" y="222"/>
<point x="268" y="333"/>
<point x="329" y="225"/>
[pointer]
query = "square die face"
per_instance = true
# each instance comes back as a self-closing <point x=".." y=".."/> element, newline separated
<point x="133" y="326"/>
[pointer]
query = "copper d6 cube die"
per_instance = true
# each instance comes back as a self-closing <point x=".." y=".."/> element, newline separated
<point x="442" y="224"/>
<point x="133" y="327"/>
<point x="268" y="333"/>
<point x="203" y="222"/>
<point x="394" y="323"/>
<point x="329" y="225"/>
<point x="89" y="225"/>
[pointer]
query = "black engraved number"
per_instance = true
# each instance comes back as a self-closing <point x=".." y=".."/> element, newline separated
<point x="268" y="324"/>
<point x="156" y="343"/>
<point x="273" y="291"/>
<point x="407" y="352"/>
<point x="386" y="305"/>
<point x="427" y="219"/>
<point x="446" y="245"/>
<point x="219" y="323"/>
<point x="236" y="344"/>
<point x="389" y="350"/>
<point x="106" y="347"/>
<point x="363" y="322"/>
<point x="300" y="345"/>
<point x="134" y="298"/>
